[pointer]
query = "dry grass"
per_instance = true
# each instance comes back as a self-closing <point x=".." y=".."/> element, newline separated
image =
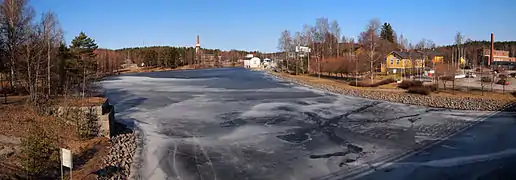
<point x="87" y="101"/>
<point x="390" y="76"/>
<point x="389" y="86"/>
<point x="336" y="83"/>
<point x="17" y="119"/>
<point x="89" y="158"/>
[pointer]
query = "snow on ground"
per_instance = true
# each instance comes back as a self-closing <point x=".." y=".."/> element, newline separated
<point x="239" y="124"/>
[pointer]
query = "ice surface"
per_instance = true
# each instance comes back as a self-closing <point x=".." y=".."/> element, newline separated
<point x="239" y="124"/>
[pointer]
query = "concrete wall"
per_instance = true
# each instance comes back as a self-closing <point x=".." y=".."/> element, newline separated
<point x="105" y="115"/>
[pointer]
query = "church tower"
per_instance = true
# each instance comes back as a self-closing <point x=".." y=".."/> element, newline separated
<point x="197" y="45"/>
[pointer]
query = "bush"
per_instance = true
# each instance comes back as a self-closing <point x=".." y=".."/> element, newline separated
<point x="39" y="153"/>
<point x="87" y="127"/>
<point x="44" y="106"/>
<point x="406" y="84"/>
<point x="85" y="122"/>
<point x="417" y="83"/>
<point x="432" y="87"/>
<point x="385" y="81"/>
<point x="419" y="90"/>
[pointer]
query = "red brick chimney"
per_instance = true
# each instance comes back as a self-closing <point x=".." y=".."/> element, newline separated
<point x="491" y="58"/>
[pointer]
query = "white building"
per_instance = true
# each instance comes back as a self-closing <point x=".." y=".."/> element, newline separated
<point x="252" y="62"/>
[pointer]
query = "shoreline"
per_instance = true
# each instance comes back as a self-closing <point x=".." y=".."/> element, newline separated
<point x="448" y="102"/>
<point x="119" y="162"/>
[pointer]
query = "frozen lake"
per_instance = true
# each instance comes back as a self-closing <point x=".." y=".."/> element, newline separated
<point x="240" y="124"/>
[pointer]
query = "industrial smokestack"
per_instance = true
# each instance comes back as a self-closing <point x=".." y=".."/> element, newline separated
<point x="491" y="54"/>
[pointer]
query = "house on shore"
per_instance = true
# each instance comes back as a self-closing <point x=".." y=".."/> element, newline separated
<point x="400" y="61"/>
<point x="252" y="62"/>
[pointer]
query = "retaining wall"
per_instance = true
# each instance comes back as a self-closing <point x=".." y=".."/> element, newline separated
<point x="105" y="116"/>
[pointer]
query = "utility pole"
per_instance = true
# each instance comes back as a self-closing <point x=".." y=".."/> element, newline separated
<point x="296" y="58"/>
<point x="286" y="60"/>
<point x="309" y="50"/>
<point x="352" y="54"/>
<point x="319" y="64"/>
<point x="308" y="61"/>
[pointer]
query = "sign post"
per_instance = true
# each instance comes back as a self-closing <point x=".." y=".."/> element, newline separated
<point x="66" y="160"/>
<point x="304" y="50"/>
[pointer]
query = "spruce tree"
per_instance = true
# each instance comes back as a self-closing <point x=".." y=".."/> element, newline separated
<point x="387" y="33"/>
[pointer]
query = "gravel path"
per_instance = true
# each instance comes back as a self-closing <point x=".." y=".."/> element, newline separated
<point x="461" y="103"/>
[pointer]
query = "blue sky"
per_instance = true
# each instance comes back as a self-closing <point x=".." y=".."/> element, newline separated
<point x="257" y="24"/>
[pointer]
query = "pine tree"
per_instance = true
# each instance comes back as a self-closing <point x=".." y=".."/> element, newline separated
<point x="83" y="47"/>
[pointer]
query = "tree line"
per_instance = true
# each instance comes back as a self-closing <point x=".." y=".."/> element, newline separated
<point x="173" y="57"/>
<point x="472" y="50"/>
<point x="333" y="52"/>
<point x="34" y="58"/>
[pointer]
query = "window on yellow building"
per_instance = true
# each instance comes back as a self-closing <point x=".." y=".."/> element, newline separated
<point x="397" y="61"/>
<point x="392" y="61"/>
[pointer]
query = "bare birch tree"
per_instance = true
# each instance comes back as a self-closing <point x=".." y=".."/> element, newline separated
<point x="322" y="26"/>
<point x="369" y="39"/>
<point x="335" y="31"/>
<point x="459" y="38"/>
<point x="402" y="42"/>
<point x="16" y="16"/>
<point x="52" y="35"/>
<point x="309" y="43"/>
<point x="285" y="44"/>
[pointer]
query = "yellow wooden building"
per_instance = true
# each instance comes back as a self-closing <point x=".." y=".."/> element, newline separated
<point x="397" y="61"/>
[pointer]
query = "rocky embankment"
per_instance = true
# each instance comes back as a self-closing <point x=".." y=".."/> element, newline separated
<point x="118" y="161"/>
<point x="461" y="103"/>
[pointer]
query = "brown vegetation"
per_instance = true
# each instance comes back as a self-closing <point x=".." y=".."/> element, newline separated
<point x="42" y="136"/>
<point x="367" y="84"/>
<point x="406" y="84"/>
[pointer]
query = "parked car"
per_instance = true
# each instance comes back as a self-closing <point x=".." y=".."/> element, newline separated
<point x="502" y="82"/>
<point x="460" y="76"/>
